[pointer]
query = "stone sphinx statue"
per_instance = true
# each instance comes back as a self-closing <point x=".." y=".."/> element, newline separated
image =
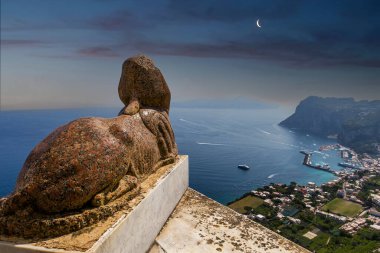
<point x="72" y="177"/>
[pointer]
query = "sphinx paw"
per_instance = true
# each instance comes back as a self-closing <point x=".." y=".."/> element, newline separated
<point x="98" y="200"/>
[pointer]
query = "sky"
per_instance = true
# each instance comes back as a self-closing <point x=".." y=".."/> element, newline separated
<point x="67" y="54"/>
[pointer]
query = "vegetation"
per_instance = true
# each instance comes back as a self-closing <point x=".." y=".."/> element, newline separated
<point x="366" y="190"/>
<point x="332" y="189"/>
<point x="366" y="240"/>
<point x="265" y="210"/>
<point x="375" y="180"/>
<point x="329" y="237"/>
<point x="245" y="204"/>
<point x="342" y="207"/>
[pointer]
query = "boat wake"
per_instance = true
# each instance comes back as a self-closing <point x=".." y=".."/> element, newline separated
<point x="192" y="123"/>
<point x="264" y="132"/>
<point x="286" y="144"/>
<point x="211" y="144"/>
<point x="273" y="175"/>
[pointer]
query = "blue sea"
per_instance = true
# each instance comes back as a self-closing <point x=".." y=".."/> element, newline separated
<point x="216" y="141"/>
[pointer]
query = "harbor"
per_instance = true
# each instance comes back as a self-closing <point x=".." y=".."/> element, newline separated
<point x="351" y="160"/>
<point x="307" y="162"/>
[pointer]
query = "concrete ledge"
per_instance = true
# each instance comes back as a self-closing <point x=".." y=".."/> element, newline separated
<point x="200" y="224"/>
<point x="135" y="231"/>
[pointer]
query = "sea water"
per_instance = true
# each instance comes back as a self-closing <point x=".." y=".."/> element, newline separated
<point x="216" y="140"/>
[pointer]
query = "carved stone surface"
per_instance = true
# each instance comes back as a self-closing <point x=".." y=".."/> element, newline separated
<point x="72" y="177"/>
<point x="142" y="86"/>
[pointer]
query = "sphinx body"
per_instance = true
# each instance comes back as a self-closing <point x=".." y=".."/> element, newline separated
<point x="91" y="162"/>
<point x="84" y="160"/>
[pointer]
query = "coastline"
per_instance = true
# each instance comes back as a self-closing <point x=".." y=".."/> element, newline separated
<point x="306" y="214"/>
<point x="354" y="158"/>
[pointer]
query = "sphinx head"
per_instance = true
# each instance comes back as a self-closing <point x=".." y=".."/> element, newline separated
<point x="142" y="86"/>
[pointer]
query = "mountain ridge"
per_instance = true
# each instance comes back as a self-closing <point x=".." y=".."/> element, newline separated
<point x="355" y="123"/>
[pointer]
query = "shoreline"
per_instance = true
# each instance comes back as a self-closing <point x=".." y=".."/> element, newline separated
<point x="344" y="208"/>
<point x="354" y="157"/>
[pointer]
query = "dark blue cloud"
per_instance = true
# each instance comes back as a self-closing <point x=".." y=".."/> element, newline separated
<point x="24" y="43"/>
<point x="325" y="47"/>
<point x="97" y="52"/>
<point x="294" y="32"/>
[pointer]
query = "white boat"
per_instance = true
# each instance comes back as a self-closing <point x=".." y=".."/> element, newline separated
<point x="243" y="166"/>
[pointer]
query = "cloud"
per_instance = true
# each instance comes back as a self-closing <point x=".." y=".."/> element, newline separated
<point x="285" y="51"/>
<point x="117" y="20"/>
<point x="231" y="11"/>
<point x="97" y="52"/>
<point x="19" y="42"/>
<point x="121" y="20"/>
<point x="218" y="28"/>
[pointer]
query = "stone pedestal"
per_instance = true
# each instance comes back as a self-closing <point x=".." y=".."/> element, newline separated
<point x="136" y="230"/>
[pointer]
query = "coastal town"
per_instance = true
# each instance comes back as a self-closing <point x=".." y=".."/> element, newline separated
<point x="342" y="215"/>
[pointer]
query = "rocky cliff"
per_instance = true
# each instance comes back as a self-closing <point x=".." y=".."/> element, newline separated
<point x="356" y="124"/>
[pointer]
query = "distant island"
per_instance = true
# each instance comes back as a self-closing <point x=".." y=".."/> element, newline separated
<point x="355" y="124"/>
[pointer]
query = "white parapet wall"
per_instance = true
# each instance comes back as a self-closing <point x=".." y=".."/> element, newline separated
<point x="136" y="231"/>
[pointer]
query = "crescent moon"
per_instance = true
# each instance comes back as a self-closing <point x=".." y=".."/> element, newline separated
<point x="258" y="23"/>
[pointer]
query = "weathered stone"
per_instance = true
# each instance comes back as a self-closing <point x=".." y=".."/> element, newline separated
<point x="142" y="86"/>
<point x="69" y="179"/>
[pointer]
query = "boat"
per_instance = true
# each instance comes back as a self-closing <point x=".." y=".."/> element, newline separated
<point x="318" y="166"/>
<point x="243" y="166"/>
<point x="323" y="167"/>
<point x="348" y="165"/>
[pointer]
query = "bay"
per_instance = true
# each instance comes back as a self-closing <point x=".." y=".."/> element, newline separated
<point x="216" y="141"/>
